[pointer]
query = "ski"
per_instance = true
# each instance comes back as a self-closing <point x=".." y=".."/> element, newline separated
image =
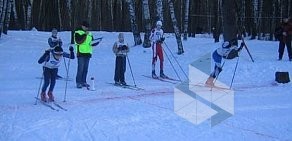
<point x="169" y="78"/>
<point x="59" y="106"/>
<point x="131" y="87"/>
<point x="211" y="87"/>
<point x="160" y="79"/>
<point x="46" y="104"/>
<point x="64" y="79"/>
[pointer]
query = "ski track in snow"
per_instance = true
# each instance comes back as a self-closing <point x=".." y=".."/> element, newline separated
<point x="262" y="113"/>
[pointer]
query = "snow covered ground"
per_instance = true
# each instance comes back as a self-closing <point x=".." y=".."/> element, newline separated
<point x="262" y="112"/>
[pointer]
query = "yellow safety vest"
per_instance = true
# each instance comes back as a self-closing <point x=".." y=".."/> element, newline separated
<point x="84" y="47"/>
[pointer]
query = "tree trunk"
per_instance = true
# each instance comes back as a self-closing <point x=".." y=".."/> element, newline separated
<point x="159" y="10"/>
<point x="259" y="19"/>
<point x="255" y="20"/>
<point x="60" y="15"/>
<point x="229" y="20"/>
<point x="7" y="16"/>
<point x="89" y="15"/>
<point x="186" y="18"/>
<point x="3" y="7"/>
<point x="273" y="21"/>
<point x="146" y="13"/>
<point x="134" y="26"/>
<point x="1" y="11"/>
<point x="175" y="27"/>
<point x="28" y="14"/>
<point x="216" y="29"/>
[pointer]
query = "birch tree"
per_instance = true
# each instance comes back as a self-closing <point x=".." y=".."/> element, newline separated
<point x="175" y="27"/>
<point x="7" y="16"/>
<point x="255" y="21"/>
<point x="89" y="13"/>
<point x="186" y="18"/>
<point x="60" y="15"/>
<point x="28" y="15"/>
<point x="159" y="10"/>
<point x="146" y="16"/>
<point x="134" y="26"/>
<point x="3" y="8"/>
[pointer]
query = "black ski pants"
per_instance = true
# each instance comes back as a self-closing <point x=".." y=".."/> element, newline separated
<point x="120" y="69"/>
<point x="50" y="76"/>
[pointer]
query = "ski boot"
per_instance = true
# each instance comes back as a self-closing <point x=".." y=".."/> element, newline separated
<point x="43" y="97"/>
<point x="162" y="75"/>
<point x="210" y="82"/>
<point x="51" y="97"/>
<point x="79" y="86"/>
<point x="124" y="83"/>
<point x="154" y="75"/>
<point x="86" y="85"/>
<point x="117" y="83"/>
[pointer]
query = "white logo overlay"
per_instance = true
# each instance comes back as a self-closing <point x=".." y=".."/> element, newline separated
<point x="197" y="103"/>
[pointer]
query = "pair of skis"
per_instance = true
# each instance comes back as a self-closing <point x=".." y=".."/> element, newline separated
<point x="56" y="106"/>
<point x="131" y="87"/>
<point x="166" y="79"/>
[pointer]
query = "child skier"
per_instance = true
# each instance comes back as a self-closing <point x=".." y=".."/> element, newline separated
<point x="52" y="59"/>
<point x="157" y="39"/>
<point x="228" y="50"/>
<point x="120" y="49"/>
<point x="54" y="41"/>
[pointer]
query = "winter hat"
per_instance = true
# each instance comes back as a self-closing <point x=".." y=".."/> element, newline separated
<point x="85" y="23"/>
<point x="159" y="23"/>
<point x="58" y="50"/>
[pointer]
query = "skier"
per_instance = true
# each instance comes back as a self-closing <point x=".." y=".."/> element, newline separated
<point x="157" y="39"/>
<point x="52" y="59"/>
<point x="83" y="42"/>
<point x="284" y="35"/>
<point x="120" y="49"/>
<point x="54" y="40"/>
<point x="229" y="50"/>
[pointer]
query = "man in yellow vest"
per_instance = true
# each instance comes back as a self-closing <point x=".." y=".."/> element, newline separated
<point x="83" y="42"/>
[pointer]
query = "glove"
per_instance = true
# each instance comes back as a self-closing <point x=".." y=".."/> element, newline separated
<point x="47" y="52"/>
<point x="71" y="49"/>
<point x="124" y="47"/>
<point x="95" y="44"/>
<point x="242" y="44"/>
<point x="162" y="39"/>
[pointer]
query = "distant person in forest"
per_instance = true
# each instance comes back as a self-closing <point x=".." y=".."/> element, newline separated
<point x="84" y="43"/>
<point x="120" y="49"/>
<point x="54" y="40"/>
<point x="157" y="39"/>
<point x="51" y="60"/>
<point x="284" y="35"/>
<point x="229" y="50"/>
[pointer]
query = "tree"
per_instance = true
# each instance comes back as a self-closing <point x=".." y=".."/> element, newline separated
<point x="175" y="27"/>
<point x="3" y="8"/>
<point x="7" y="16"/>
<point x="186" y="18"/>
<point x="146" y="13"/>
<point x="229" y="20"/>
<point x="134" y="26"/>
<point x="159" y="10"/>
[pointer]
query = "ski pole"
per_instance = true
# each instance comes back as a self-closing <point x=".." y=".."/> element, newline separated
<point x="172" y="65"/>
<point x="65" y="64"/>
<point x="41" y="81"/>
<point x="234" y="73"/>
<point x="131" y="70"/>
<point x="67" y="77"/>
<point x="176" y="61"/>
